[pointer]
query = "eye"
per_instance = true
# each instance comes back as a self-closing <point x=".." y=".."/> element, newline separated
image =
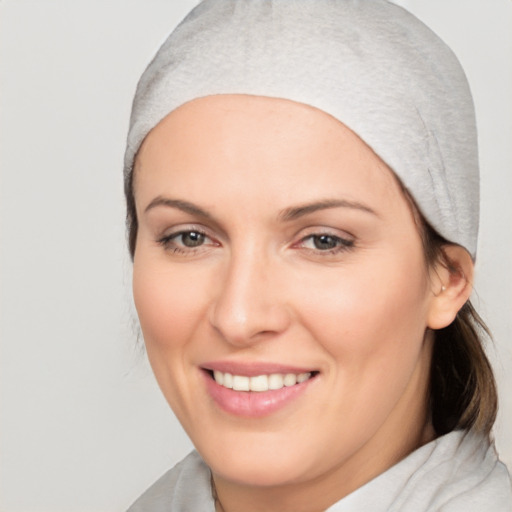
<point x="326" y="242"/>
<point x="185" y="241"/>
<point x="191" y="238"/>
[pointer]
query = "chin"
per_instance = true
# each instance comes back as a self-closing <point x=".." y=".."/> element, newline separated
<point x="263" y="459"/>
<point x="254" y="460"/>
<point x="263" y="473"/>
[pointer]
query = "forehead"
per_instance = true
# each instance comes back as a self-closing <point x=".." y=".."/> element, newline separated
<point x="272" y="138"/>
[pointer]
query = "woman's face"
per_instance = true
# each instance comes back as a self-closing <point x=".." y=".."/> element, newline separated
<point x="276" y="252"/>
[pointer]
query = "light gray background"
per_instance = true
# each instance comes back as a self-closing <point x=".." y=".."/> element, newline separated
<point x="83" y="425"/>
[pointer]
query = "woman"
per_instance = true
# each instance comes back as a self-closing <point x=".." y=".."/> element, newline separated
<point x="302" y="189"/>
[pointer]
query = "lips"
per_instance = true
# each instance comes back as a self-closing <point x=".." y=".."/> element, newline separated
<point x="255" y="390"/>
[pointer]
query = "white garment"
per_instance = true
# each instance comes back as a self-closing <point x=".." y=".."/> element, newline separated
<point x="458" y="472"/>
<point x="347" y="58"/>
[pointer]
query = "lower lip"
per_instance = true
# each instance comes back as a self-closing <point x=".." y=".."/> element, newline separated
<point x="253" y="404"/>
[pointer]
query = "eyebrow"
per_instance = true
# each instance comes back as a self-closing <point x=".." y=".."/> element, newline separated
<point x="179" y="204"/>
<point x="285" y="215"/>
<point x="299" y="211"/>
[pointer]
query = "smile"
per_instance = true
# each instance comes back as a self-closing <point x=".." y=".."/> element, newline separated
<point x="259" y="383"/>
<point x="260" y="392"/>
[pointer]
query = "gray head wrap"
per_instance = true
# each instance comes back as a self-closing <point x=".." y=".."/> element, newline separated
<point x="368" y="63"/>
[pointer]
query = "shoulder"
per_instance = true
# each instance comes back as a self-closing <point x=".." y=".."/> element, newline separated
<point x="467" y="474"/>
<point x="458" y="472"/>
<point x="183" y="488"/>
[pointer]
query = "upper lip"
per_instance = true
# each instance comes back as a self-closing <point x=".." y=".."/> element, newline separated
<point x="253" y="369"/>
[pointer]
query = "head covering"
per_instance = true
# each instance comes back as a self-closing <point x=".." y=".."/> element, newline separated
<point x="368" y="63"/>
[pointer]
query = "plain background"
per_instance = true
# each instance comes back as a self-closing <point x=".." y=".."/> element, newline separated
<point x="83" y="425"/>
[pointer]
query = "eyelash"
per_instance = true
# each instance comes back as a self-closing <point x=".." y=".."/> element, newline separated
<point x="169" y="243"/>
<point x="342" y="244"/>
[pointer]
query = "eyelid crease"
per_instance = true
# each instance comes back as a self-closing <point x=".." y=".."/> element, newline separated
<point x="198" y="214"/>
<point x="345" y="243"/>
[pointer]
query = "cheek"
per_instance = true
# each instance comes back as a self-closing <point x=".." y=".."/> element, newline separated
<point x="372" y="325"/>
<point x="168" y="305"/>
<point x="371" y="318"/>
<point x="170" y="309"/>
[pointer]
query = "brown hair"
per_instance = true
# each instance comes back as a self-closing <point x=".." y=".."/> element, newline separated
<point x="132" y="223"/>
<point x="463" y="391"/>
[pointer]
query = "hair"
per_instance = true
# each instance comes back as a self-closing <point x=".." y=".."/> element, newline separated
<point x="462" y="392"/>
<point x="132" y="223"/>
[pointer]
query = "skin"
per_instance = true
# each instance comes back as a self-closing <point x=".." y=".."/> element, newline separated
<point x="259" y="288"/>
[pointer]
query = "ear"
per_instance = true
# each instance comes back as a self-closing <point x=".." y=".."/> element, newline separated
<point x="451" y="285"/>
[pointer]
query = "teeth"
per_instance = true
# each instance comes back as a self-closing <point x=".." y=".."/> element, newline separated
<point x="303" y="377"/>
<point x="260" y="382"/>
<point x="219" y="377"/>
<point x="290" y="379"/>
<point x="240" y="383"/>
<point x="275" y="381"/>
<point x="227" y="381"/>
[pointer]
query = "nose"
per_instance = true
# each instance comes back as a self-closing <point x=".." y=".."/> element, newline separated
<point x="249" y="304"/>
